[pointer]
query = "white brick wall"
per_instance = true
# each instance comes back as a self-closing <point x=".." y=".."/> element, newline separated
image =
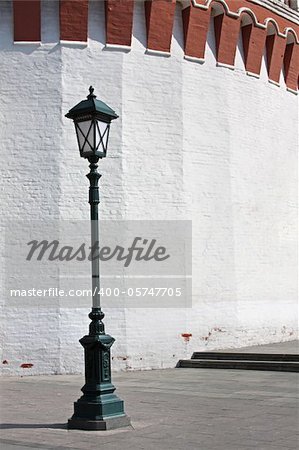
<point x="193" y="142"/>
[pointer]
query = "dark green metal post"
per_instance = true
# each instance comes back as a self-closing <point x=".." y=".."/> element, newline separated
<point x="94" y="200"/>
<point x="98" y="408"/>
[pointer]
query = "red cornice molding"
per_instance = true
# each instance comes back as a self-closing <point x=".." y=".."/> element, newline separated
<point x="262" y="27"/>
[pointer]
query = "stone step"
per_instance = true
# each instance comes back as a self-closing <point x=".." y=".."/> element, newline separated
<point x="282" y="357"/>
<point x="282" y="366"/>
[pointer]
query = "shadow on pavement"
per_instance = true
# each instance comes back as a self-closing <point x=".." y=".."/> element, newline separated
<point x="7" y="426"/>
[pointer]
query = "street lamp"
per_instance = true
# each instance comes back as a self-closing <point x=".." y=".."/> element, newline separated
<point x="98" y="408"/>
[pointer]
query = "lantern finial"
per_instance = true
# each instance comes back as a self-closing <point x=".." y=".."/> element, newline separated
<point x="91" y="93"/>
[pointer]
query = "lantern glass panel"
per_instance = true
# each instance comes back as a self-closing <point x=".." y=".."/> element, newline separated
<point x="101" y="136"/>
<point x="85" y="136"/>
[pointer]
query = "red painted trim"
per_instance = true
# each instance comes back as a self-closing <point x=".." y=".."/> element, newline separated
<point x="226" y="37"/>
<point x="119" y="21"/>
<point x="287" y="58"/>
<point x="246" y="32"/>
<point x="217" y="29"/>
<point x="196" y="24"/>
<point x="73" y="16"/>
<point x="275" y="49"/>
<point x="159" y="15"/>
<point x="291" y="66"/>
<point x="269" y="49"/>
<point x="27" y="21"/>
<point x="261" y="12"/>
<point x="254" y="40"/>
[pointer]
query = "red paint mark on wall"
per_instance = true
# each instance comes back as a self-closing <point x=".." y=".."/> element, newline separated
<point x="26" y="365"/>
<point x="186" y="336"/>
<point x="215" y="329"/>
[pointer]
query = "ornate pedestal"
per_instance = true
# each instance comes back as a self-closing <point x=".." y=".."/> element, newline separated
<point x="98" y="408"/>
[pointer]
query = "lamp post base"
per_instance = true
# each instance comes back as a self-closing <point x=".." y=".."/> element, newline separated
<point x="99" y="412"/>
<point x="77" y="423"/>
<point x="98" y="408"/>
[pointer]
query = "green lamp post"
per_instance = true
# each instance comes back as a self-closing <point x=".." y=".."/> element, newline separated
<point x="98" y="408"/>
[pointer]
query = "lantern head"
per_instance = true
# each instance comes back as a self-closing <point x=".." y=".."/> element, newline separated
<point x="92" y="119"/>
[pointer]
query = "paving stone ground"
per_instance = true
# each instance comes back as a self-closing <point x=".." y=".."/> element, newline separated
<point x="170" y="409"/>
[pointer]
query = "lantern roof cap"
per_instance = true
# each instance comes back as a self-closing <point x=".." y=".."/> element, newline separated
<point x="91" y="105"/>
